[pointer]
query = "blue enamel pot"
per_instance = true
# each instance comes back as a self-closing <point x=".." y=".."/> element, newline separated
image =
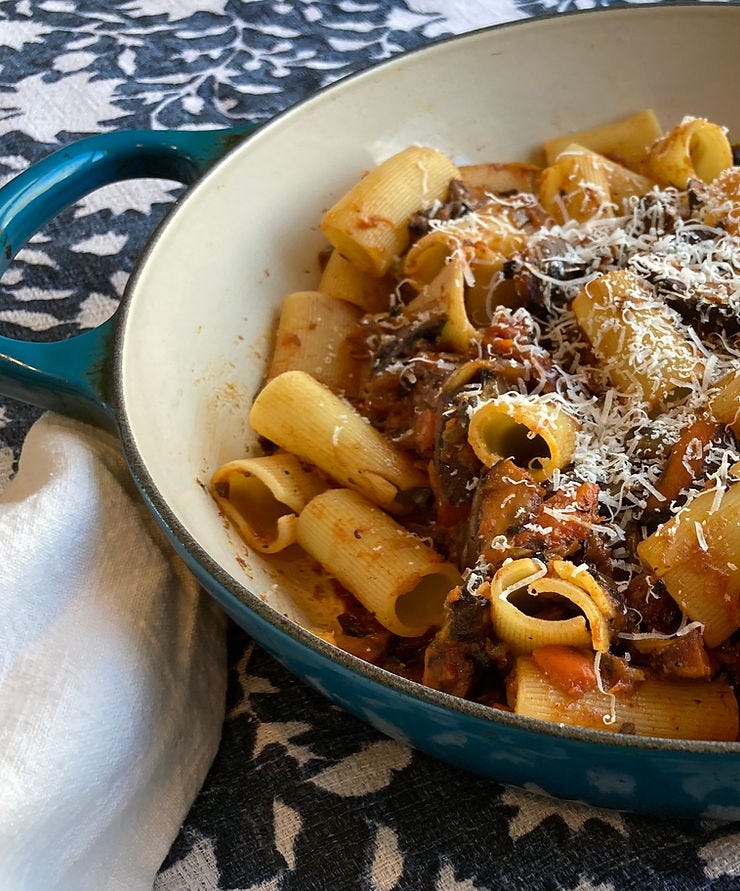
<point x="174" y="371"/>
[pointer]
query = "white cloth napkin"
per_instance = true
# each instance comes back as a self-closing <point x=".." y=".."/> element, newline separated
<point x="112" y="673"/>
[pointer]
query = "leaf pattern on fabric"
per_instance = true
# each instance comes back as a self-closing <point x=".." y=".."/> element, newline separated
<point x="446" y="881"/>
<point x="40" y="107"/>
<point x="533" y="810"/>
<point x="720" y="857"/>
<point x="387" y="864"/>
<point x="197" y="870"/>
<point x="288" y="825"/>
<point x="365" y="772"/>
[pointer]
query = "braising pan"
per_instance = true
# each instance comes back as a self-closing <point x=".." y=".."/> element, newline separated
<point x="175" y="370"/>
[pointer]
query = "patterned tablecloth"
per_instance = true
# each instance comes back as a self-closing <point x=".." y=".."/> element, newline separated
<point x="301" y="795"/>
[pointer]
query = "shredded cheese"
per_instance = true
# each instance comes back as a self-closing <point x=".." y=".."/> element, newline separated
<point x="612" y="716"/>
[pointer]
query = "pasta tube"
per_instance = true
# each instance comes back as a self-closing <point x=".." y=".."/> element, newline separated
<point x="725" y="405"/>
<point x="529" y="583"/>
<point x="693" y="149"/>
<point x="313" y="335"/>
<point x="369" y="224"/>
<point x="480" y="256"/>
<point x="492" y="231"/>
<point x="575" y="187"/>
<point x="624" y="141"/>
<point x="581" y="184"/>
<point x="445" y="296"/>
<point x="343" y="281"/>
<point x="427" y="257"/>
<point x="636" y="337"/>
<point x="582" y="578"/>
<point x="489" y="289"/>
<point x="304" y="417"/>
<point x="492" y="179"/>
<point x="721" y="201"/>
<point x="655" y="707"/>
<point x="521" y="631"/>
<point x="397" y="577"/>
<point x="262" y="497"/>
<point x="695" y="554"/>
<point x="535" y="432"/>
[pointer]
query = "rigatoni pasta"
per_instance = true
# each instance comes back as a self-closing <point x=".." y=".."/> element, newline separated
<point x="651" y="707"/>
<point x="581" y="184"/>
<point x="505" y="427"/>
<point x="368" y="225"/>
<point x="535" y="432"/>
<point x="695" y="149"/>
<point x="521" y="630"/>
<point x="342" y="280"/>
<point x="444" y="298"/>
<point x="304" y="417"/>
<point x="725" y="404"/>
<point x="263" y="497"/>
<point x="314" y="335"/>
<point x="694" y="556"/>
<point x="624" y="141"/>
<point x="405" y="589"/>
<point x="636" y="336"/>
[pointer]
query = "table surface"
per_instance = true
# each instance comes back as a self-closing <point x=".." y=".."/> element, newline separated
<point x="301" y="795"/>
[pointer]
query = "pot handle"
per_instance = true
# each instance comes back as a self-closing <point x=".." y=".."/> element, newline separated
<point x="71" y="376"/>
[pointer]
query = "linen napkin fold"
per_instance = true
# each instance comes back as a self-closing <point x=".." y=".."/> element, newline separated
<point x="112" y="672"/>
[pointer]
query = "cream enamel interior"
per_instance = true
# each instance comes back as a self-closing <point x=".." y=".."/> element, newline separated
<point x="204" y="301"/>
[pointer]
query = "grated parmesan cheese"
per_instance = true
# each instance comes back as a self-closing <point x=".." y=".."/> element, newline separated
<point x="612" y="716"/>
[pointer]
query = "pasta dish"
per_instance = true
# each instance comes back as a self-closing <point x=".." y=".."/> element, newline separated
<point x="506" y="425"/>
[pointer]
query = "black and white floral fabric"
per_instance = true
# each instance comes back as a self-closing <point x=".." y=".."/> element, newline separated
<point x="301" y="796"/>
